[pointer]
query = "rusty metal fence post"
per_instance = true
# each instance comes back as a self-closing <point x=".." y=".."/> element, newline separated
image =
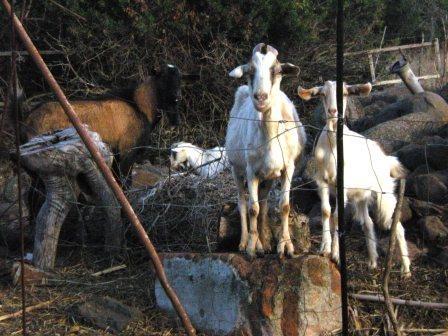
<point x="107" y="173"/>
<point x="340" y="163"/>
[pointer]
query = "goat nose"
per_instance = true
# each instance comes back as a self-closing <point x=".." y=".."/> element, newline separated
<point x="261" y="96"/>
<point x="332" y="111"/>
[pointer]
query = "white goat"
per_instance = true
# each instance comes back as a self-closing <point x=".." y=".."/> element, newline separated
<point x="368" y="172"/>
<point x="264" y="139"/>
<point x="204" y="162"/>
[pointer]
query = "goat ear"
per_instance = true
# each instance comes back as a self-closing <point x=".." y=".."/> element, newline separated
<point x="289" y="69"/>
<point x="239" y="71"/>
<point x="307" y="94"/>
<point x="359" y="89"/>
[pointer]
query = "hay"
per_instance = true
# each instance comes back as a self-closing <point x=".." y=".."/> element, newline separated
<point x="182" y="212"/>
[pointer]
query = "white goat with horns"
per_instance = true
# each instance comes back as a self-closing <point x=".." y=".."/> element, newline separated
<point x="264" y="139"/>
<point x="204" y="162"/>
<point x="368" y="172"/>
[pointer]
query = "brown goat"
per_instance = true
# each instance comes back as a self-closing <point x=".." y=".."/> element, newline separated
<point x="123" y="121"/>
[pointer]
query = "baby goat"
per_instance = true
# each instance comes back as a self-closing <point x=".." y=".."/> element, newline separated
<point x="368" y="172"/>
<point x="264" y="139"/>
<point x="204" y="162"/>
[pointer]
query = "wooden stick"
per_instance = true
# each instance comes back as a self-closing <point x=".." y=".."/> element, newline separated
<point x="390" y="254"/>
<point x="109" y="270"/>
<point x="27" y="309"/>
<point x="394" y="48"/>
<point x="380" y="298"/>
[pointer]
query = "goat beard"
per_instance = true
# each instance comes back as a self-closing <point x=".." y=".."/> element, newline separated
<point x="260" y="118"/>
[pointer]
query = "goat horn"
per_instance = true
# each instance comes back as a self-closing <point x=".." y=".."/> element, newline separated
<point x="260" y="47"/>
<point x="273" y="50"/>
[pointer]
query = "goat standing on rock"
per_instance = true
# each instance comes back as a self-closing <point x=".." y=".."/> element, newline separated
<point x="264" y="140"/>
<point x="368" y="172"/>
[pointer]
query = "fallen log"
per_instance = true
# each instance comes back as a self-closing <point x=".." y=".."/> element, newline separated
<point x="65" y="166"/>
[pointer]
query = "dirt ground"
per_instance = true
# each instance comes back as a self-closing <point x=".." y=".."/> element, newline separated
<point x="133" y="286"/>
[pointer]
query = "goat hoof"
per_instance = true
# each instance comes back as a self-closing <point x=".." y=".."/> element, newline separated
<point x="372" y="265"/>
<point x="335" y="257"/>
<point x="281" y="257"/>
<point x="406" y="275"/>
<point x="242" y="247"/>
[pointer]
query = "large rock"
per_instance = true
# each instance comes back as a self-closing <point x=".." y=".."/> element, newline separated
<point x="431" y="155"/>
<point x="224" y="294"/>
<point x="428" y="187"/>
<point x="424" y="208"/>
<point x="433" y="229"/>
<point x="442" y="257"/>
<point x="412" y="127"/>
<point x="106" y="313"/>
<point x="409" y="104"/>
<point x="414" y="251"/>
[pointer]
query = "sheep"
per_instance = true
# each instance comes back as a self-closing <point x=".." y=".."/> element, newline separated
<point x="203" y="162"/>
<point x="264" y="140"/>
<point x="368" y="172"/>
<point x="124" y="119"/>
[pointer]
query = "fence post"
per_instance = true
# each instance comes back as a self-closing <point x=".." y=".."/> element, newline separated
<point x="340" y="163"/>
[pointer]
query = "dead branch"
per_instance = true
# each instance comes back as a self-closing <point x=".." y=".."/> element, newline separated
<point x="27" y="309"/>
<point x="412" y="303"/>
<point x="109" y="270"/>
<point x="390" y="253"/>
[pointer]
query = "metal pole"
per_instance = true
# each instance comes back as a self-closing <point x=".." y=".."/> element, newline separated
<point x="71" y="114"/>
<point x="14" y="107"/>
<point x="340" y="163"/>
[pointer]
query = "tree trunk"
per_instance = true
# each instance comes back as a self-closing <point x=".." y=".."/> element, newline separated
<point x="63" y="163"/>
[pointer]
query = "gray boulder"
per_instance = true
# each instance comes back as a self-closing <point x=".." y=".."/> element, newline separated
<point x="432" y="155"/>
<point x="428" y="118"/>
<point x="225" y="294"/>
<point x="428" y="187"/>
<point x="433" y="229"/>
<point x="409" y="104"/>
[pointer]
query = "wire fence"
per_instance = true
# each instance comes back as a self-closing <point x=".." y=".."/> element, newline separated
<point x="182" y="207"/>
<point x="160" y="217"/>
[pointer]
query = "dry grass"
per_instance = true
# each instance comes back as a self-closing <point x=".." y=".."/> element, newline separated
<point x="133" y="287"/>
